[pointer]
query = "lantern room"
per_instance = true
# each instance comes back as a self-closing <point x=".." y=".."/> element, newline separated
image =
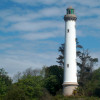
<point x="70" y="10"/>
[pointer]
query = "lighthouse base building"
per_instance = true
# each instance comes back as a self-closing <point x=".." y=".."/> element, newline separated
<point x="70" y="67"/>
<point x="68" y="88"/>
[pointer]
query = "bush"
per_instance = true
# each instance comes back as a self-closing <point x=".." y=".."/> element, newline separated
<point x="15" y="93"/>
<point x="5" y="82"/>
<point x="61" y="97"/>
<point x="32" y="86"/>
<point x="97" y="92"/>
<point x="46" y="95"/>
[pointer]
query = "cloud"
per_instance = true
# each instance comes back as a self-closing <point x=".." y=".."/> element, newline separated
<point x="32" y="30"/>
<point x="79" y="3"/>
<point x="31" y="20"/>
<point x="17" y="15"/>
<point x="79" y="33"/>
<point x="19" y="55"/>
<point x="37" y="36"/>
<point x="19" y="60"/>
<point x="5" y="46"/>
<point x="35" y="26"/>
<point x="34" y="2"/>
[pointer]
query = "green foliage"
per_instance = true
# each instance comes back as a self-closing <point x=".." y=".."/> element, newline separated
<point x="16" y="93"/>
<point x="94" y="83"/>
<point x="86" y="65"/>
<point x="51" y="84"/>
<point x="42" y="86"/>
<point x="32" y="86"/>
<point x="61" y="97"/>
<point x="5" y="77"/>
<point x="27" y="88"/>
<point x="46" y="95"/>
<point x="5" y="82"/>
<point x="3" y="87"/>
<point x="53" y="78"/>
<point x="60" y="59"/>
<point x="92" y="87"/>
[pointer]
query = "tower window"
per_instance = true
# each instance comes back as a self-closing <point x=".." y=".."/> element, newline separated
<point x="67" y="65"/>
<point x="67" y="30"/>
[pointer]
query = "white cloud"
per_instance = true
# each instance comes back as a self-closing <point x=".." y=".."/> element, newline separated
<point x="88" y="3"/>
<point x="51" y="12"/>
<point x="35" y="2"/>
<point x="19" y="55"/>
<point x="36" y="26"/>
<point x="19" y="61"/>
<point x="20" y="15"/>
<point x="5" y="46"/>
<point x="80" y="3"/>
<point x="31" y="21"/>
<point x="79" y="33"/>
<point x="38" y="36"/>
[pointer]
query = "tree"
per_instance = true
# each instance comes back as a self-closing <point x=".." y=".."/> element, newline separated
<point x="31" y="82"/>
<point x="51" y="84"/>
<point x="92" y="86"/>
<point x="16" y="93"/>
<point x="3" y="87"/>
<point x="60" y="59"/>
<point x="53" y="78"/>
<point x="32" y="72"/>
<point x="27" y="72"/>
<point x="17" y="77"/>
<point x="85" y="63"/>
<point x="5" y="82"/>
<point x="95" y="83"/>
<point x="31" y="85"/>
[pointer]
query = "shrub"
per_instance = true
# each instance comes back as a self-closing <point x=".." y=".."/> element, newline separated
<point x="15" y="93"/>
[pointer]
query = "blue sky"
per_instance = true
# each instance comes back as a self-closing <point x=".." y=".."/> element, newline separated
<point x="31" y="31"/>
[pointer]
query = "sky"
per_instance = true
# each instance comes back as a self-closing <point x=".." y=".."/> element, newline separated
<point x="31" y="31"/>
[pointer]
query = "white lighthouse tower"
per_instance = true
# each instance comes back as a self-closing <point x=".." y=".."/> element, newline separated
<point x="70" y="68"/>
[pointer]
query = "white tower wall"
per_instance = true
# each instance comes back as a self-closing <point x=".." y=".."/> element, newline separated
<point x="70" y="71"/>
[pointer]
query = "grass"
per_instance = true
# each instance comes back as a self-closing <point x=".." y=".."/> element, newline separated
<point x="61" y="97"/>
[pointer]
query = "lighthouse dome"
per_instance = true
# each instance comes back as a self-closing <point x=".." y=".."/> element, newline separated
<point x="70" y="7"/>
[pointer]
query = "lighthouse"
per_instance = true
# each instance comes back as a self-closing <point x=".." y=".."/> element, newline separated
<point x="70" y="67"/>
